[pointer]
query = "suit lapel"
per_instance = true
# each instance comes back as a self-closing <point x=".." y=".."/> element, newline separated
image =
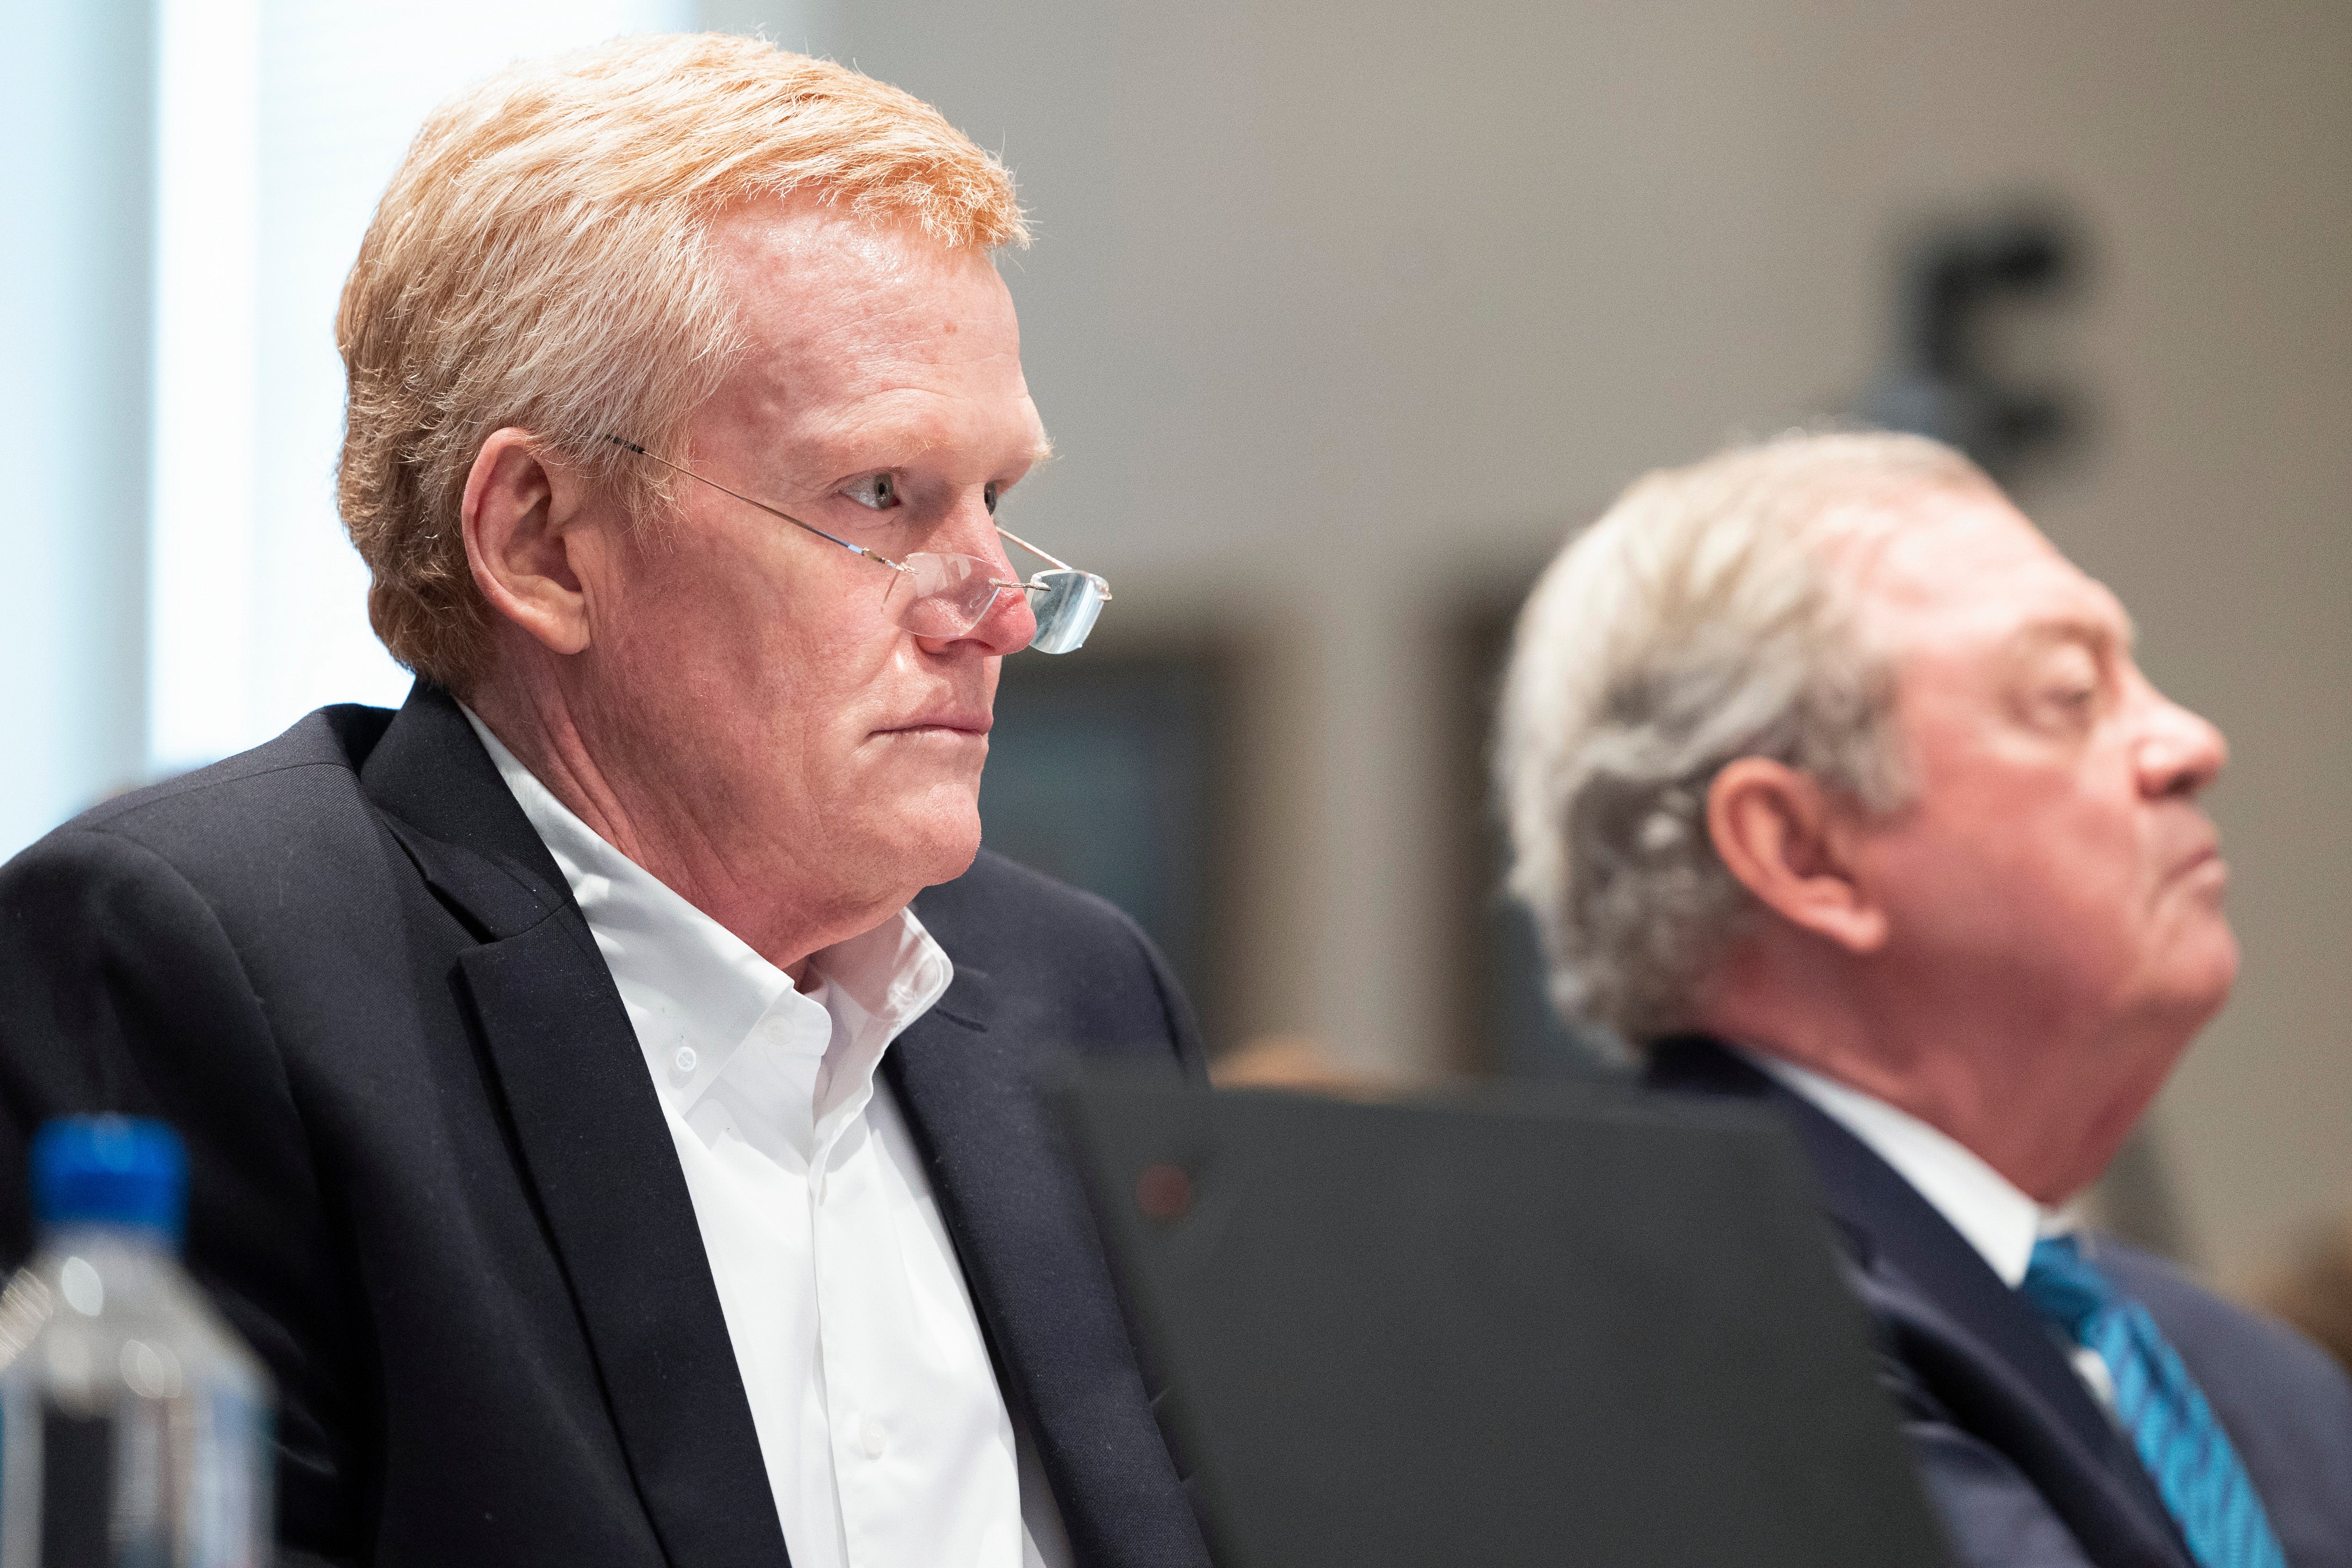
<point x="1870" y="1197"/>
<point x="593" y="1147"/>
<point x="1980" y="1311"/>
<point x="2112" y="1522"/>
<point x="966" y="1077"/>
<point x="1899" y="1235"/>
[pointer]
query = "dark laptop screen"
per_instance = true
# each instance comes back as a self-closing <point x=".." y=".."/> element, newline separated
<point x="1584" y="1330"/>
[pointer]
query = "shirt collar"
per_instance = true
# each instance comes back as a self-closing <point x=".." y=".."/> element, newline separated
<point x="696" y="991"/>
<point x="1996" y="1218"/>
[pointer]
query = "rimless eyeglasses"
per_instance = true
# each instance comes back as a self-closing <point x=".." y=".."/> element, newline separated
<point x="939" y="595"/>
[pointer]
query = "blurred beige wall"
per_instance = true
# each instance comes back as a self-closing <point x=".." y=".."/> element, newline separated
<point x="1339" y="311"/>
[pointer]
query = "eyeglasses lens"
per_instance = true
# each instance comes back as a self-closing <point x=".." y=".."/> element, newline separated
<point x="1066" y="605"/>
<point x="941" y="595"/>
<point x="947" y="595"/>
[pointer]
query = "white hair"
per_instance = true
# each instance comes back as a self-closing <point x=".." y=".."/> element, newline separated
<point x="1701" y="620"/>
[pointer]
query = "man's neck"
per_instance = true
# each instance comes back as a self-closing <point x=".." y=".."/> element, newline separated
<point x="1982" y="1075"/>
<point x="764" y="898"/>
<point x="2000" y="1222"/>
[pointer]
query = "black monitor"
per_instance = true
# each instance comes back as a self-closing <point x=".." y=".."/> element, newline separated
<point x="1587" y="1328"/>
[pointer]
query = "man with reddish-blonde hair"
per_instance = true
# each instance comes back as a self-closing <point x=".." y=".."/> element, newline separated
<point x="614" y="1157"/>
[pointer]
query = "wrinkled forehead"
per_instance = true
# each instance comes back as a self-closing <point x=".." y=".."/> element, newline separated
<point x="849" y="326"/>
<point x="1961" y="568"/>
<point x="802" y="275"/>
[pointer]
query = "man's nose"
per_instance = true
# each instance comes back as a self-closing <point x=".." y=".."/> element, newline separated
<point x="1008" y="623"/>
<point x="2181" y="752"/>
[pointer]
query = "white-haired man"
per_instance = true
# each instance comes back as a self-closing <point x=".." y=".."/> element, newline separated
<point x="613" y="1157"/>
<point x="1832" y="785"/>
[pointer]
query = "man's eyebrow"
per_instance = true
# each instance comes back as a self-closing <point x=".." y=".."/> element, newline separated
<point x="2104" y="635"/>
<point x="835" y="456"/>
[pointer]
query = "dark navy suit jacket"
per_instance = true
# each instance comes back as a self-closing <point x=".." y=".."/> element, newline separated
<point x="2026" y="1467"/>
<point x="431" y="1184"/>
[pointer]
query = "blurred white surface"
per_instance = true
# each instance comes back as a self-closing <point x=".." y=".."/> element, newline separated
<point x="280" y="122"/>
<point x="76" y="105"/>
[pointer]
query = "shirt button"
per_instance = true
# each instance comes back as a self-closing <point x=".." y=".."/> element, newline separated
<point x="874" y="1439"/>
<point x="684" y="1060"/>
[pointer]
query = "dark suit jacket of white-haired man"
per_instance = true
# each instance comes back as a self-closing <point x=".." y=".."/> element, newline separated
<point x="1834" y="787"/>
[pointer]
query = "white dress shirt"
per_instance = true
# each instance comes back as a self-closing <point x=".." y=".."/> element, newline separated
<point x="1996" y="1218"/>
<point x="887" y="1441"/>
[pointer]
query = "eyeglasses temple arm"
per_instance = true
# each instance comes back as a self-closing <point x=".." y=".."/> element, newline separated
<point x="1048" y="558"/>
<point x="763" y="506"/>
<point x="1034" y="549"/>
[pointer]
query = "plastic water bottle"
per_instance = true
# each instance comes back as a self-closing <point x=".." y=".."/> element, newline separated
<point x="134" y="1424"/>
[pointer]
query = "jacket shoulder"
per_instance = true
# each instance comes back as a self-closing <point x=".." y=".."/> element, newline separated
<point x="2202" y="1324"/>
<point x="1001" y="904"/>
<point x="2286" y="1405"/>
<point x="2232" y="1344"/>
<point x="280" y="793"/>
<point x="337" y="739"/>
<point x="1041" y="939"/>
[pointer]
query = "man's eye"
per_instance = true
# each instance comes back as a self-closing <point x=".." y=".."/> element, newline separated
<point x="2067" y="689"/>
<point x="2069" y="706"/>
<point x="877" y="491"/>
<point x="987" y="497"/>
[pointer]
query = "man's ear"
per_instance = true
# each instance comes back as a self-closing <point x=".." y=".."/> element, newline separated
<point x="1785" y="838"/>
<point x="518" y="515"/>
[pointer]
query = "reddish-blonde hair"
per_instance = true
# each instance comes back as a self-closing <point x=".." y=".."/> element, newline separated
<point x="542" y="261"/>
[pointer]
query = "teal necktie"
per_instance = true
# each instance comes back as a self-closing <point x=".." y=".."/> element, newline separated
<point x="2194" y="1466"/>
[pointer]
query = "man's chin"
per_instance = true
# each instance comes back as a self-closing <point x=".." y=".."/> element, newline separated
<point x="893" y="867"/>
<point x="939" y="847"/>
<point x="2192" y="990"/>
<point x="944" y="858"/>
<point x="908" y="832"/>
<point x="2209" y="969"/>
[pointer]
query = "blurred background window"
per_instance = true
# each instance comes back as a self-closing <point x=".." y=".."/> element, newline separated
<point x="187" y="183"/>
<point x="280" y="123"/>
<point x="1103" y="771"/>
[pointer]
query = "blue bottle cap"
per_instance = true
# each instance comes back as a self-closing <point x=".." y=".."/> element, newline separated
<point x="110" y="1170"/>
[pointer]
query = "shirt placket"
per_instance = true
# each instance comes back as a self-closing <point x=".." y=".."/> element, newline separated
<point x="842" y="1234"/>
